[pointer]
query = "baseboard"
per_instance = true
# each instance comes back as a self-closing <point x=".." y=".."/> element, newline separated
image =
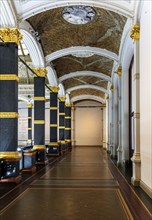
<point x="146" y="188"/>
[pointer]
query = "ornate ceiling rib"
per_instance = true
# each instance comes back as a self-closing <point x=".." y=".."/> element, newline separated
<point x="30" y="8"/>
<point x="84" y="73"/>
<point x="87" y="87"/>
<point x="89" y="97"/>
<point x="81" y="49"/>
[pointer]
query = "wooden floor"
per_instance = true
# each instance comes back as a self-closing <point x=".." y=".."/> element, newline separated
<point x="81" y="185"/>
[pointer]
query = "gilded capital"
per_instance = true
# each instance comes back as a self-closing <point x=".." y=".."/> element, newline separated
<point x="135" y="32"/>
<point x="119" y="71"/>
<point x="54" y="89"/>
<point x="10" y="35"/>
<point x="62" y="98"/>
<point x="29" y="105"/>
<point x="68" y="104"/>
<point x="112" y="88"/>
<point x="107" y="98"/>
<point x="41" y="72"/>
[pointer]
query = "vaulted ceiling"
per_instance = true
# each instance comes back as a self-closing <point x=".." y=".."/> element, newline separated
<point x="104" y="31"/>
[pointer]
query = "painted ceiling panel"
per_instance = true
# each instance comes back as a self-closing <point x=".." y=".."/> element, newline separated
<point x="104" y="31"/>
<point x="93" y="92"/>
<point x="76" y="81"/>
<point x="95" y="63"/>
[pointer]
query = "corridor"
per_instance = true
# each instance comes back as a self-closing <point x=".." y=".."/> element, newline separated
<point x="84" y="184"/>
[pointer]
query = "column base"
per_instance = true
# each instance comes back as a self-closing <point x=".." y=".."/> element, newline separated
<point x="53" y="150"/>
<point x="41" y="157"/>
<point x="135" y="182"/>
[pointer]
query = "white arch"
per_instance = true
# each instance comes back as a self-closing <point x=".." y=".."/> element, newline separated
<point x="84" y="73"/>
<point x="61" y="90"/>
<point x="22" y="98"/>
<point x="84" y="97"/>
<point x="81" y="49"/>
<point x="32" y="45"/>
<point x="51" y="74"/>
<point x="88" y="86"/>
<point x="31" y="8"/>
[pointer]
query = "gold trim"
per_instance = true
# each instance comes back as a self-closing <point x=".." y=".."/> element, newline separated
<point x="67" y="128"/>
<point x="39" y="122"/>
<point x="67" y="117"/>
<point x="10" y="35"/>
<point x="68" y="140"/>
<point x="112" y="88"/>
<point x="10" y="155"/>
<point x="30" y="117"/>
<point x="62" y="113"/>
<point x="107" y="98"/>
<point x="53" y="125"/>
<point x="135" y="32"/>
<point x="41" y="72"/>
<point x="62" y="142"/>
<point x="53" y="108"/>
<point x="30" y="105"/>
<point x="29" y="129"/>
<point x="54" y="144"/>
<point x="68" y="105"/>
<point x="39" y="147"/>
<point x="61" y="127"/>
<point x="9" y="115"/>
<point x="119" y="71"/>
<point x="103" y="105"/>
<point x="62" y="98"/>
<point x="9" y="77"/>
<point x="54" y="89"/>
<point x="39" y="98"/>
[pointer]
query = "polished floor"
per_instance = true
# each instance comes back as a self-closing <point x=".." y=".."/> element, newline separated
<point x="82" y="185"/>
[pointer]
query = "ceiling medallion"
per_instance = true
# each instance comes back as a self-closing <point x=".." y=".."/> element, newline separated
<point x="78" y="14"/>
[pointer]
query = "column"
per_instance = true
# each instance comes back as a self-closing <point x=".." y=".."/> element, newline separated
<point x="107" y="123"/>
<point x="115" y="122"/>
<point x="68" y="125"/>
<point x="62" y="123"/>
<point x="29" y="141"/>
<point x="119" y="149"/>
<point x="73" y="125"/>
<point x="53" y="147"/>
<point x="9" y="105"/>
<point x="111" y="120"/>
<point x="39" y="115"/>
<point x="136" y="159"/>
<point x="104" y="125"/>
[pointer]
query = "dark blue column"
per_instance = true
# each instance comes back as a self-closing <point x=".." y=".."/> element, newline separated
<point x="9" y="105"/>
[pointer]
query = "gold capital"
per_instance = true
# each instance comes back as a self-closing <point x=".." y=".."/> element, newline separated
<point x="54" y="89"/>
<point x="135" y="32"/>
<point x="54" y="144"/>
<point x="112" y="88"/>
<point x="8" y="115"/>
<point x="41" y="72"/>
<point x="119" y="71"/>
<point x="107" y="97"/>
<point x="10" y="35"/>
<point x="29" y="105"/>
<point x="39" y="98"/>
<point x="62" y="98"/>
<point x="53" y="108"/>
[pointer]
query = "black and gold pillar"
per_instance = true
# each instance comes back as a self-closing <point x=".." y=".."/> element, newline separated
<point x="68" y="125"/>
<point x="29" y="141"/>
<point x="39" y="115"/>
<point x="9" y="104"/>
<point x="53" y="147"/>
<point x="62" y="124"/>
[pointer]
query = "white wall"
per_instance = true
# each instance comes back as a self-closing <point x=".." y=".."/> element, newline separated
<point x="146" y="94"/>
<point x="88" y="123"/>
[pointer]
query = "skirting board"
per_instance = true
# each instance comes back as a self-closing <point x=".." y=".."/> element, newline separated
<point x="146" y="188"/>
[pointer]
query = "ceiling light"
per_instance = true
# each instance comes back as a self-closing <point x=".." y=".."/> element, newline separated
<point x="78" y="14"/>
